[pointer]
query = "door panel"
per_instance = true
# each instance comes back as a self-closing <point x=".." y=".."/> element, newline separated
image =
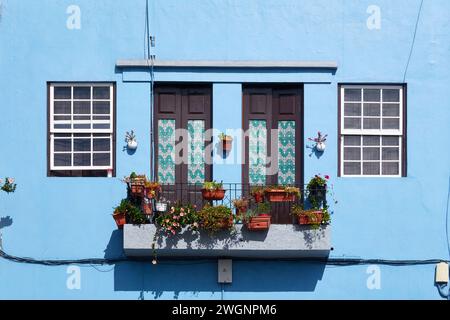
<point x="278" y="108"/>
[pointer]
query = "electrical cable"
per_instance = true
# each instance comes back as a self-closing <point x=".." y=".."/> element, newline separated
<point x="413" y="41"/>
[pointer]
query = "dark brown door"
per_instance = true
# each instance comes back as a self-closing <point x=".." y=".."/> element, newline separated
<point x="182" y="116"/>
<point x="273" y="120"/>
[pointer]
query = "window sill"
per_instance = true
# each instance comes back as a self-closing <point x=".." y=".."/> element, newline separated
<point x="280" y="241"/>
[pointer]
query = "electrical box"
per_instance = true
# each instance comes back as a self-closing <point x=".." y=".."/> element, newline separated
<point x="225" y="270"/>
<point x="442" y="273"/>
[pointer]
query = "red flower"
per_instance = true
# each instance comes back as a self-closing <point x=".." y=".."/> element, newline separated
<point x="327" y="177"/>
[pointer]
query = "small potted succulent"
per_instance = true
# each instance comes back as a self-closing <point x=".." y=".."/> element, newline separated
<point x="226" y="141"/>
<point x="215" y="218"/>
<point x="282" y="193"/>
<point x="213" y="191"/>
<point x="241" y="206"/>
<point x="258" y="219"/>
<point x="258" y="193"/>
<point x="312" y="217"/>
<point x="130" y="139"/>
<point x="319" y="141"/>
<point x="8" y="185"/>
<point x="152" y="189"/>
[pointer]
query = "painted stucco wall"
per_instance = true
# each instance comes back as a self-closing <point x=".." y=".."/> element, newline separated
<point x="61" y="218"/>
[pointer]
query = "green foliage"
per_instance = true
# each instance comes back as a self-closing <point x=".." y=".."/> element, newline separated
<point x="213" y="185"/>
<point x="132" y="211"/>
<point x="8" y="186"/>
<point x="263" y="208"/>
<point x="240" y="203"/>
<point x="214" y="219"/>
<point x="289" y="190"/>
<point x="178" y="217"/>
<point x="258" y="190"/>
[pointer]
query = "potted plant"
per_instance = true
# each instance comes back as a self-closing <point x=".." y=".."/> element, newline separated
<point x="161" y="205"/>
<point x="282" y="193"/>
<point x="241" y="206"/>
<point x="258" y="193"/>
<point x="137" y="184"/>
<point x="226" y="141"/>
<point x="258" y="219"/>
<point x="213" y="191"/>
<point x="320" y="141"/>
<point x="147" y="208"/>
<point x="317" y="190"/>
<point x="130" y="139"/>
<point x="152" y="189"/>
<point x="120" y="213"/>
<point x="177" y="218"/>
<point x="9" y="185"/>
<point x="214" y="219"/>
<point x="311" y="217"/>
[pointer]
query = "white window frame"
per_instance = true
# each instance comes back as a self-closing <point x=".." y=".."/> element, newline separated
<point x="371" y="132"/>
<point x="107" y="132"/>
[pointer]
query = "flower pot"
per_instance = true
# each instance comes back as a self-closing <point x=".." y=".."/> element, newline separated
<point x="259" y="197"/>
<point x="147" y="208"/>
<point x="161" y="206"/>
<point x="280" y="196"/>
<point x="314" y="217"/>
<point x="209" y="195"/>
<point x="137" y="190"/>
<point x="241" y="210"/>
<point x="120" y="219"/>
<point x="132" y="145"/>
<point x="259" y="223"/>
<point x="227" y="144"/>
<point x="320" y="146"/>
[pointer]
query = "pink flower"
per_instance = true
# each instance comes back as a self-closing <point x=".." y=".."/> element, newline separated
<point x="327" y="177"/>
<point x="173" y="232"/>
<point x="182" y="210"/>
<point x="195" y="224"/>
<point x="182" y="214"/>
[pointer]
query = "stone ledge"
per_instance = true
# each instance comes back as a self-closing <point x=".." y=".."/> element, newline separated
<point x="280" y="241"/>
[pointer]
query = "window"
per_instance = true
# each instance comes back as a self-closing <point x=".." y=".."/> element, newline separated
<point x="81" y="129"/>
<point x="372" y="131"/>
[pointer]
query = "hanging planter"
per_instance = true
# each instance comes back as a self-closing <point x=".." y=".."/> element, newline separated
<point x="161" y="206"/>
<point x="310" y="217"/>
<point x="282" y="194"/>
<point x="258" y="223"/>
<point x="241" y="206"/>
<point x="120" y="219"/>
<point x="226" y="141"/>
<point x="147" y="207"/>
<point x="137" y="185"/>
<point x="213" y="191"/>
<point x="130" y="139"/>
<point x="258" y="193"/>
<point x="320" y="140"/>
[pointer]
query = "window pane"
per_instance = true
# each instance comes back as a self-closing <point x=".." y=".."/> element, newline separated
<point x="81" y="107"/>
<point x="391" y="95"/>
<point x="82" y="144"/>
<point x="372" y="123"/>
<point x="371" y="153"/>
<point x="82" y="92"/>
<point x="82" y="126"/>
<point x="101" y="92"/>
<point x="371" y="140"/>
<point x="62" y="93"/>
<point x="352" y="140"/>
<point x="82" y="159"/>
<point x="63" y="145"/>
<point x="101" y="126"/>
<point x="352" y="153"/>
<point x="391" y="141"/>
<point x="391" y="153"/>
<point x="372" y="95"/>
<point x="62" y="118"/>
<point x="391" y="168"/>
<point x="62" y="126"/>
<point x="391" y="123"/>
<point x="102" y="144"/>
<point x="86" y="118"/>
<point x="372" y="109"/>
<point x="352" y="95"/>
<point x="352" y="123"/>
<point x="352" y="168"/>
<point x="391" y="110"/>
<point x="62" y="159"/>
<point x="352" y="109"/>
<point x="62" y="107"/>
<point x="102" y="159"/>
<point x="101" y="117"/>
<point x="101" y="107"/>
<point x="371" y="168"/>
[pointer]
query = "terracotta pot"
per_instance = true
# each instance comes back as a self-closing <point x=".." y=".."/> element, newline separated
<point x="307" y="220"/>
<point x="120" y="219"/>
<point x="280" y="196"/>
<point x="213" y="194"/>
<point x="137" y="190"/>
<point x="227" y="144"/>
<point x="147" y="209"/>
<point x="259" y="223"/>
<point x="259" y="198"/>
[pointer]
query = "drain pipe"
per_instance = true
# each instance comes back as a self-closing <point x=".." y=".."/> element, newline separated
<point x="150" y="40"/>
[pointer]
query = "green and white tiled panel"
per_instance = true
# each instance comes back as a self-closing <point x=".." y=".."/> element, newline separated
<point x="286" y="152"/>
<point x="257" y="151"/>
<point x="166" y="151"/>
<point x="196" y="151"/>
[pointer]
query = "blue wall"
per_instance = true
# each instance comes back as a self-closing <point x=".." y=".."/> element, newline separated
<point x="376" y="218"/>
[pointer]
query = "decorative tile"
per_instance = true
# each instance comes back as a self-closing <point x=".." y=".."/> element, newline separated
<point x="166" y="151"/>
<point x="196" y="151"/>
<point x="257" y="151"/>
<point x="286" y="152"/>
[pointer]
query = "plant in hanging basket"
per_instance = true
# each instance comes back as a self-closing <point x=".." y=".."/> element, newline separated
<point x="152" y="189"/>
<point x="311" y="217"/>
<point x="8" y="186"/>
<point x="258" y="219"/>
<point x="226" y="141"/>
<point x="258" y="193"/>
<point x="214" y="219"/>
<point x="282" y="193"/>
<point x="241" y="206"/>
<point x="147" y="207"/>
<point x="213" y="191"/>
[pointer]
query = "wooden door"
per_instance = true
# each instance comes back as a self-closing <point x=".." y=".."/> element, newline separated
<point x="182" y="116"/>
<point x="273" y="120"/>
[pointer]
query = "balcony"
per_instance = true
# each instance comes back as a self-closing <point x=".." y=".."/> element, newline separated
<point x="285" y="238"/>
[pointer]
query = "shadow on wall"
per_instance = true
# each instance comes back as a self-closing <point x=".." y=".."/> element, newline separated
<point x="200" y="276"/>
